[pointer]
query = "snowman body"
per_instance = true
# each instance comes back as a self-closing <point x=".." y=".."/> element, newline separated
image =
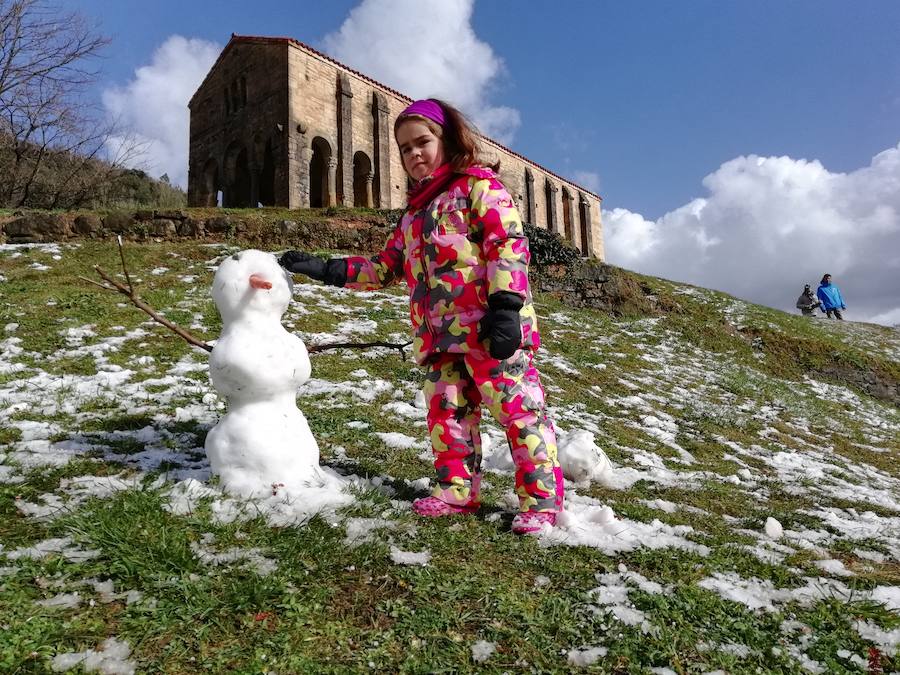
<point x="263" y="444"/>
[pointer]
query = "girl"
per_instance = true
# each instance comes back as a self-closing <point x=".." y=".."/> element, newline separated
<point x="462" y="250"/>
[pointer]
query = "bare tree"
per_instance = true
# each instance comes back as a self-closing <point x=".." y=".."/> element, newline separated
<point x="51" y="137"/>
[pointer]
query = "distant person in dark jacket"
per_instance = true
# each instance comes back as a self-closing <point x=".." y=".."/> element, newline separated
<point x="830" y="296"/>
<point x="807" y="302"/>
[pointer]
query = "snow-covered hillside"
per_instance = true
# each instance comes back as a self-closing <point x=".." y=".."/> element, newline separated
<point x="751" y="518"/>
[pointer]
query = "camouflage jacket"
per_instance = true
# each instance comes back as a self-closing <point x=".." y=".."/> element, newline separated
<point x="465" y="245"/>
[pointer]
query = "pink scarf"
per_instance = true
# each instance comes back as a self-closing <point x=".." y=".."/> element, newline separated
<point x="428" y="188"/>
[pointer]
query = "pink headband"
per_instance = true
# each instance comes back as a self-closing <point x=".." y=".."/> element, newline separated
<point x="425" y="108"/>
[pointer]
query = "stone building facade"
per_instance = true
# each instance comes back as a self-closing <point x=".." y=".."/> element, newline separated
<point x="277" y="123"/>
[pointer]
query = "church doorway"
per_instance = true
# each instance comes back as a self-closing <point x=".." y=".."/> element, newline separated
<point x="237" y="177"/>
<point x="211" y="184"/>
<point x="267" y="176"/>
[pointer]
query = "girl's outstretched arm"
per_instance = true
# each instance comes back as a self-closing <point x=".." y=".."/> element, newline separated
<point x="383" y="269"/>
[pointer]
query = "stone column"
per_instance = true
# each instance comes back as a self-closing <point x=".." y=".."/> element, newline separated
<point x="345" y="141"/>
<point x="382" y="159"/>
<point x="587" y="246"/>
<point x="572" y="215"/>
<point x="332" y="182"/>
<point x="553" y="225"/>
<point x="529" y="197"/>
<point x="370" y="177"/>
<point x="298" y="168"/>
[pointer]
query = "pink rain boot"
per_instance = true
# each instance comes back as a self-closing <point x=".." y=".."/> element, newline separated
<point x="530" y="522"/>
<point x="432" y="507"/>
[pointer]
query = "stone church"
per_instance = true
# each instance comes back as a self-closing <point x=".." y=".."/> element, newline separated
<point x="277" y="123"/>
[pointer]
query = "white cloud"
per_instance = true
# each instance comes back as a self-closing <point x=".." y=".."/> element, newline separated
<point x="427" y="48"/>
<point x="770" y="225"/>
<point x="153" y="105"/>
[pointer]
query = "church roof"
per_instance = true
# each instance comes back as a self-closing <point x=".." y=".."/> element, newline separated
<point x="261" y="39"/>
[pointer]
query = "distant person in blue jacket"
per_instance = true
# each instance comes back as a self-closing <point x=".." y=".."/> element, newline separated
<point x="830" y="297"/>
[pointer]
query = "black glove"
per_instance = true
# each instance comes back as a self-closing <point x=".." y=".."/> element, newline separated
<point x="501" y="325"/>
<point x="333" y="272"/>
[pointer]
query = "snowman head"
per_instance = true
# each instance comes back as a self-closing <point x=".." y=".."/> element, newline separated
<point x="251" y="284"/>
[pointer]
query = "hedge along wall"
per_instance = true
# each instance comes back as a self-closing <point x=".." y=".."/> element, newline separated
<point x="352" y="232"/>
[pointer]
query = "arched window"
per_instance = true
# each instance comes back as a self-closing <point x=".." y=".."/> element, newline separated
<point x="318" y="173"/>
<point x="530" y="215"/>
<point x="362" y="180"/>
<point x="550" y="203"/>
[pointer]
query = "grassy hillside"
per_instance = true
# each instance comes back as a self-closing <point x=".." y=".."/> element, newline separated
<point x="717" y="415"/>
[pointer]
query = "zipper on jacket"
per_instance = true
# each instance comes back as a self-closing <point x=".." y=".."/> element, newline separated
<point x="425" y="317"/>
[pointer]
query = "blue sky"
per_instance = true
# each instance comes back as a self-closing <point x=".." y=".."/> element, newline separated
<point x="651" y="96"/>
<point x="640" y="101"/>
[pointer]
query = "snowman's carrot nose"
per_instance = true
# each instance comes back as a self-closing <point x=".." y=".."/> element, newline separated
<point x="259" y="281"/>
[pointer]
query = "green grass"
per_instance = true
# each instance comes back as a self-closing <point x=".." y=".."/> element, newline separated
<point x="333" y="608"/>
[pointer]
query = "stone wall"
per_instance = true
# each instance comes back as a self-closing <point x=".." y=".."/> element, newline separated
<point x="238" y="130"/>
<point x="335" y="136"/>
<point x="346" y="231"/>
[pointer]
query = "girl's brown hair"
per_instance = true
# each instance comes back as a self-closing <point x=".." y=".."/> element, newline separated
<point x="460" y="139"/>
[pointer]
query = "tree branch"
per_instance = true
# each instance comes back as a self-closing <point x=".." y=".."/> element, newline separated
<point x="122" y="258"/>
<point x="143" y="306"/>
<point x="401" y="347"/>
<point x="128" y="292"/>
<point x="140" y="304"/>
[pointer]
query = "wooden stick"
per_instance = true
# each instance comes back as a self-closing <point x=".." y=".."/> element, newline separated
<point x="117" y="287"/>
<point x="144" y="307"/>
<point x="124" y="266"/>
<point x="361" y="345"/>
<point x="96" y="283"/>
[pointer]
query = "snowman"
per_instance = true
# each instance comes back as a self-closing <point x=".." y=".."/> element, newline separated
<point x="262" y="446"/>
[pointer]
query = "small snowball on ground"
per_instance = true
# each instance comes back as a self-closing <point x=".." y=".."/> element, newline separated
<point x="111" y="659"/>
<point x="419" y="484"/>
<point x="63" y="546"/>
<point x="67" y="600"/>
<point x="586" y="657"/>
<point x="420" y="400"/>
<point x="394" y="439"/>
<point x="482" y="650"/>
<point x="773" y="528"/>
<point x="409" y="557"/>
<point x="582" y="461"/>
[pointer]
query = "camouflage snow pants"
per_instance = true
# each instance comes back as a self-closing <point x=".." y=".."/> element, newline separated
<point x="455" y="387"/>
